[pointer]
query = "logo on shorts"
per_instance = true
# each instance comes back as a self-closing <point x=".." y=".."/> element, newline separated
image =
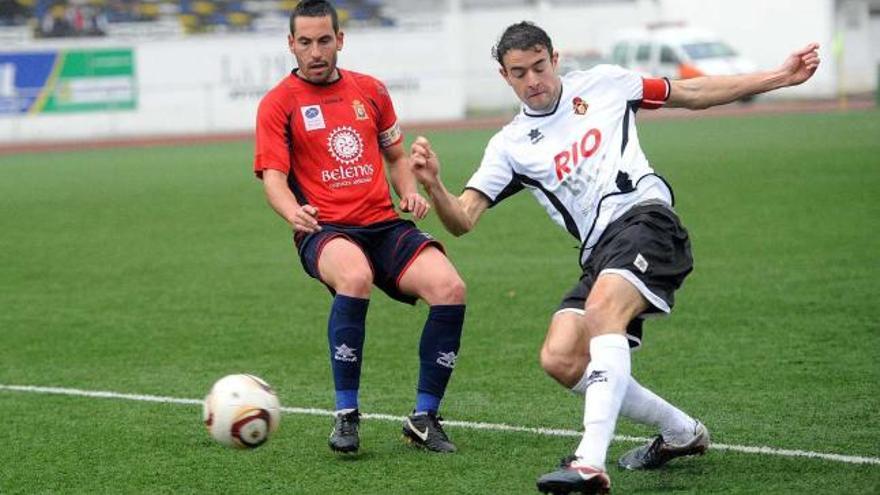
<point x="447" y="359"/>
<point x="641" y="263"/>
<point x="345" y="144"/>
<point x="345" y="353"/>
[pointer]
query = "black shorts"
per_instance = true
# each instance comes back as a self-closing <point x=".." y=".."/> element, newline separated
<point x="650" y="248"/>
<point x="390" y="247"/>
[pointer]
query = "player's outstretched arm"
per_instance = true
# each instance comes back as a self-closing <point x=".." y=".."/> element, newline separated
<point x="709" y="91"/>
<point x="302" y="218"/>
<point x="458" y="214"/>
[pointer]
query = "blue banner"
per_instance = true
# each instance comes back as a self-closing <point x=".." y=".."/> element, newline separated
<point x="23" y="77"/>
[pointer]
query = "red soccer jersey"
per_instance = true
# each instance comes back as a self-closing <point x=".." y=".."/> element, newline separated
<point x="328" y="138"/>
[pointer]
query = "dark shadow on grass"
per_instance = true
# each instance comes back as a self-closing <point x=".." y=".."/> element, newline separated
<point x="358" y="457"/>
<point x="673" y="477"/>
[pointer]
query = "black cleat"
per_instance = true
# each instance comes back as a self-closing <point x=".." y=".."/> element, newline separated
<point x="344" y="437"/>
<point x="658" y="452"/>
<point x="425" y="431"/>
<point x="574" y="479"/>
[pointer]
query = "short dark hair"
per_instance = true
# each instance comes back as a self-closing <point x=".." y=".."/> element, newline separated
<point x="315" y="8"/>
<point x="523" y="35"/>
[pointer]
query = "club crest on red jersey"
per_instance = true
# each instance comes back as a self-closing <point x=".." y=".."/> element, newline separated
<point x="579" y="105"/>
<point x="360" y="113"/>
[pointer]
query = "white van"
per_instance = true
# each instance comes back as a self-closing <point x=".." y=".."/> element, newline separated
<point x="677" y="52"/>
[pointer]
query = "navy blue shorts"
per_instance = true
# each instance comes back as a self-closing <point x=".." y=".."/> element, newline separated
<point x="390" y="247"/>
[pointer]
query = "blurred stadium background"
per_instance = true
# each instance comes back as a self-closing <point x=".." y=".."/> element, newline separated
<point x="98" y="69"/>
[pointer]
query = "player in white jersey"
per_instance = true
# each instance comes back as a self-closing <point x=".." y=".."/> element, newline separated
<point x="574" y="146"/>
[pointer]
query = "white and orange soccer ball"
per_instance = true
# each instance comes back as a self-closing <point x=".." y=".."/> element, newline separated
<point x="241" y="411"/>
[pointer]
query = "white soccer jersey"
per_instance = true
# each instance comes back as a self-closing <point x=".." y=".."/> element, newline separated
<point x="582" y="161"/>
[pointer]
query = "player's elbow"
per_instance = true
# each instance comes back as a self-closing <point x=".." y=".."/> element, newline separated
<point x="690" y="100"/>
<point x="464" y="226"/>
<point x="688" y="93"/>
<point x="459" y="230"/>
<point x="456" y="225"/>
<point x="697" y="103"/>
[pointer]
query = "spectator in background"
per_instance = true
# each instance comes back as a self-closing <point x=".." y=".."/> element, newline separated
<point x="59" y="19"/>
<point x="15" y="12"/>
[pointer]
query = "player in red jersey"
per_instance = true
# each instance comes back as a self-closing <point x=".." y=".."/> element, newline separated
<point x="322" y="134"/>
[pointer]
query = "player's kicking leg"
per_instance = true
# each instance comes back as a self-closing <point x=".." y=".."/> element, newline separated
<point x="611" y="304"/>
<point x="565" y="356"/>
<point x="433" y="279"/>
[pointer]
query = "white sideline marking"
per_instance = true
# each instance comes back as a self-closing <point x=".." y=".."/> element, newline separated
<point x="849" y="459"/>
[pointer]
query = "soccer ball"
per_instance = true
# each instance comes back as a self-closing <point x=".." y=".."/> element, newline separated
<point x="241" y="411"/>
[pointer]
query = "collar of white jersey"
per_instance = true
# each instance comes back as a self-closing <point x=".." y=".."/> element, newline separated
<point x="526" y="109"/>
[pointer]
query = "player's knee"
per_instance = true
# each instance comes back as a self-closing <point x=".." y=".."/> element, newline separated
<point x="447" y="290"/>
<point x="355" y="281"/>
<point x="456" y="290"/>
<point x="600" y="316"/>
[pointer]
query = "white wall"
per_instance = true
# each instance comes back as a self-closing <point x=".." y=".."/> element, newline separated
<point x="856" y="60"/>
<point x="213" y="84"/>
<point x="874" y="39"/>
<point x="421" y="69"/>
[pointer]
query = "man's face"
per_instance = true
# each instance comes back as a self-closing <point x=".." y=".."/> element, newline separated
<point x="532" y="75"/>
<point x="315" y="46"/>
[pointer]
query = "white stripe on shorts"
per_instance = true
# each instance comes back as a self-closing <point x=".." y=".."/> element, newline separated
<point x="641" y="287"/>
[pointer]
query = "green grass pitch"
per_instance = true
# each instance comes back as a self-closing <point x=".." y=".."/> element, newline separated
<point x="158" y="270"/>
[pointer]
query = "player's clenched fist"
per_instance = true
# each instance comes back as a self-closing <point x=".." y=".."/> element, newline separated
<point x="426" y="167"/>
<point x="306" y="220"/>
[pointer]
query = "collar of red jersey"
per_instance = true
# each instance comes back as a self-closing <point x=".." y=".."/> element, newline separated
<point x="295" y="75"/>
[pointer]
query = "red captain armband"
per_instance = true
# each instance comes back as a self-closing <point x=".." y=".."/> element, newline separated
<point x="655" y="92"/>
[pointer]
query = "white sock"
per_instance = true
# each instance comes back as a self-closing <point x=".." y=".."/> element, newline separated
<point x="608" y="378"/>
<point x="646" y="407"/>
